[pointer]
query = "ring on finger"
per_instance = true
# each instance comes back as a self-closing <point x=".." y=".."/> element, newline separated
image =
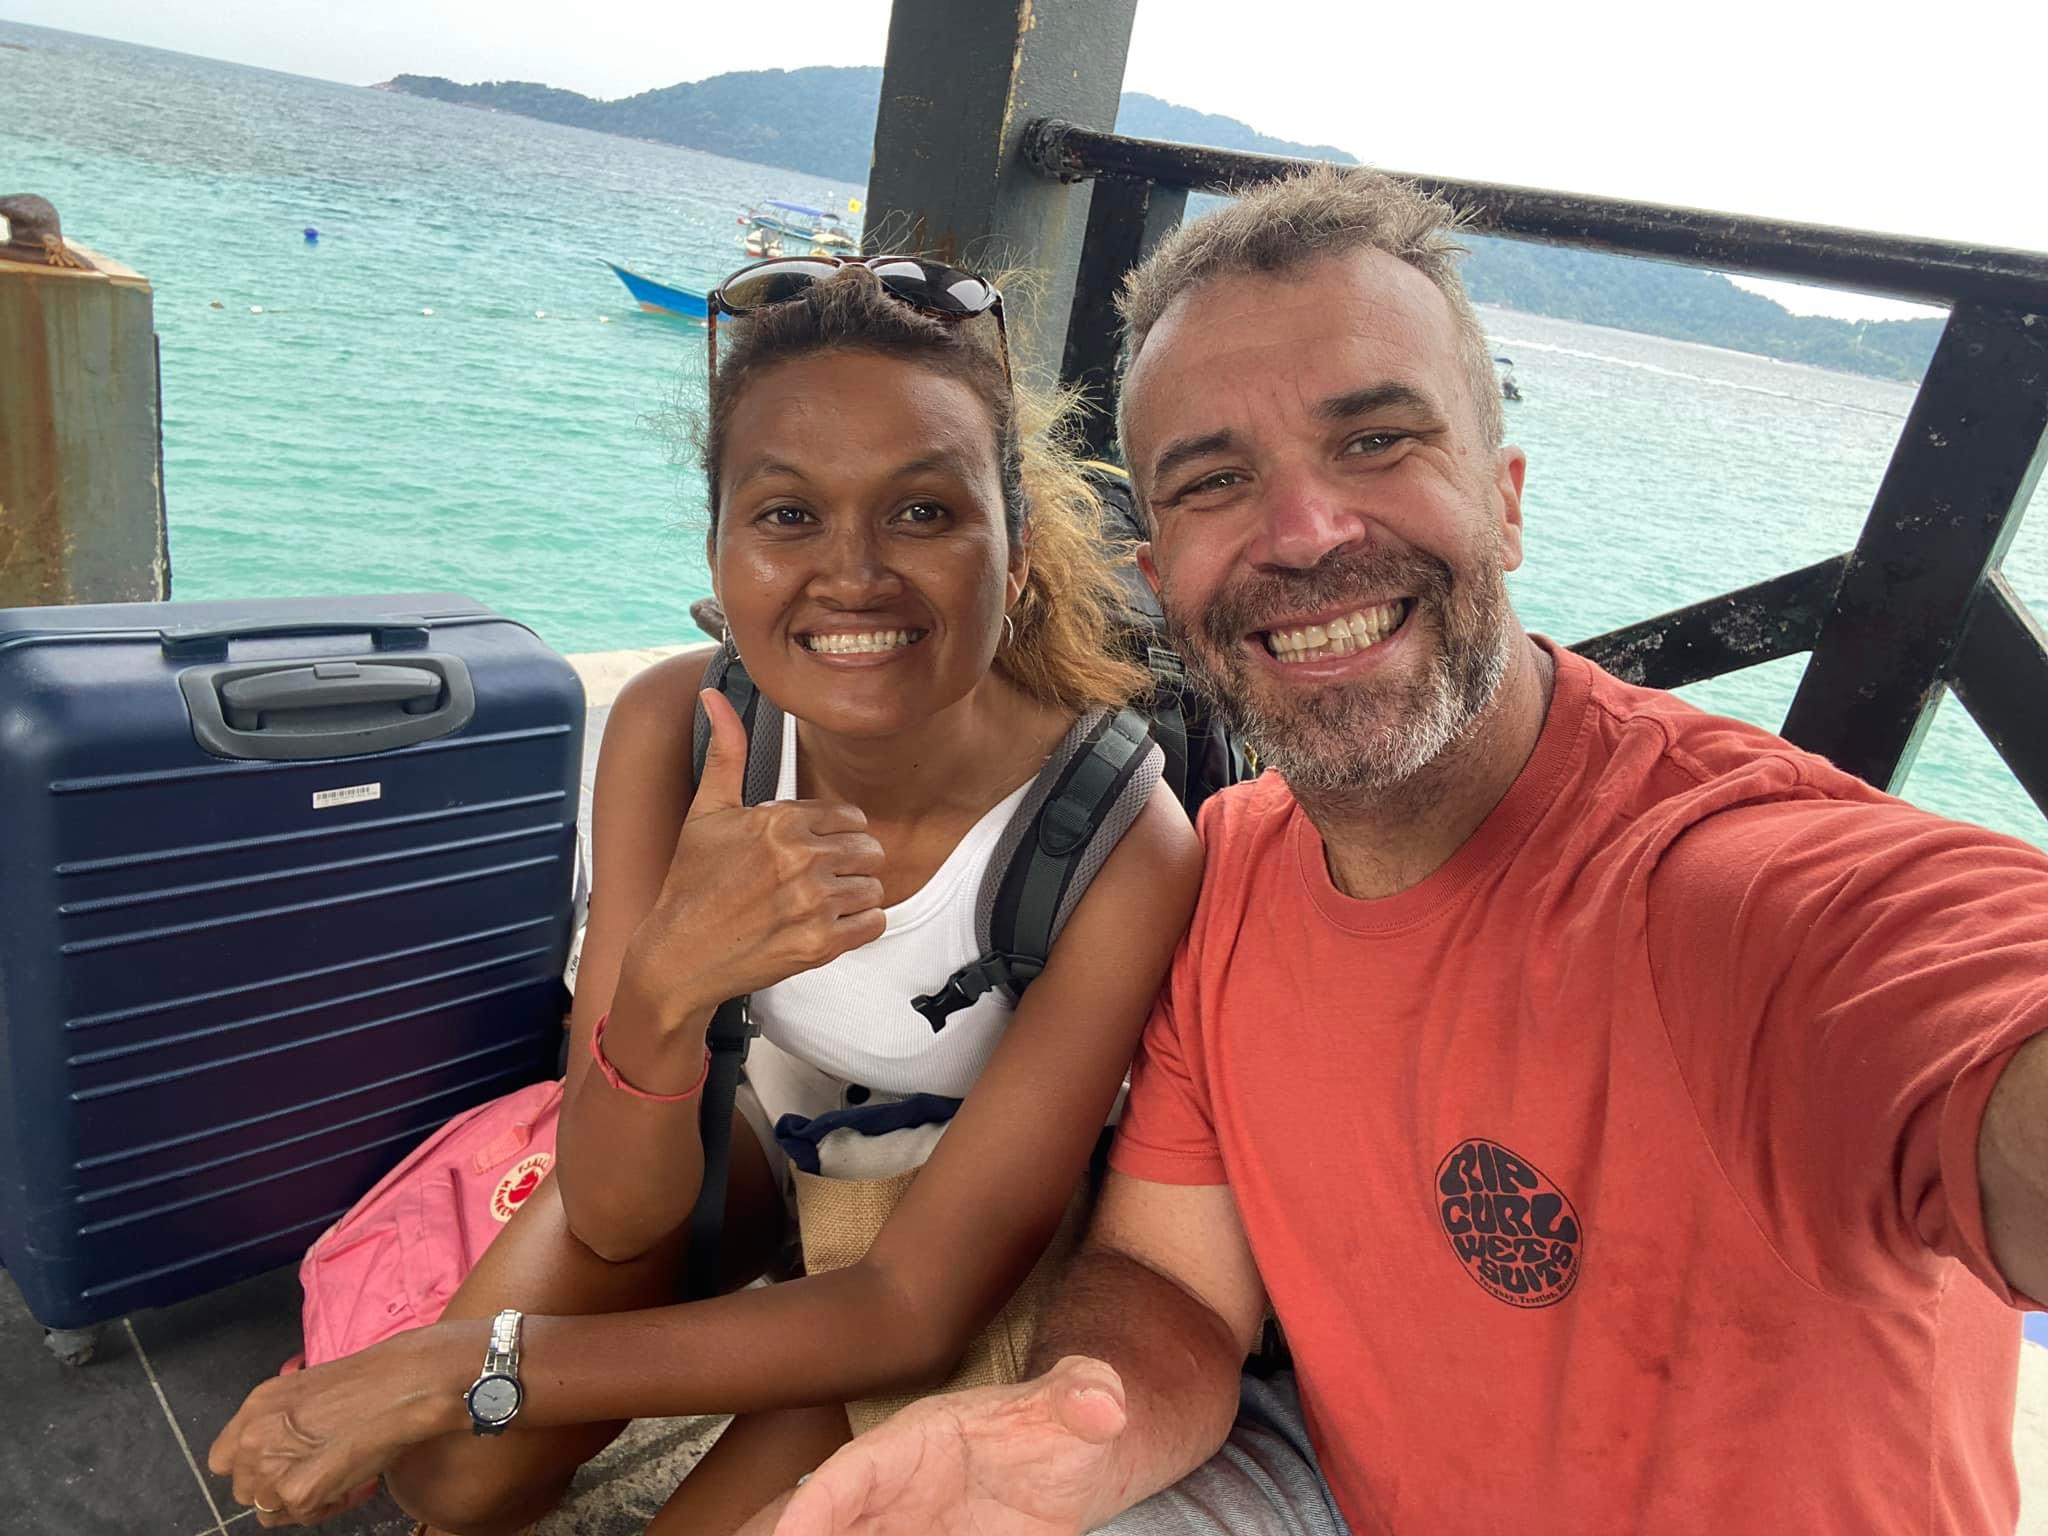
<point x="262" y="1508"/>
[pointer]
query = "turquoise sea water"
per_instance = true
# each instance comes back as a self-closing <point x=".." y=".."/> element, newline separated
<point x="516" y="445"/>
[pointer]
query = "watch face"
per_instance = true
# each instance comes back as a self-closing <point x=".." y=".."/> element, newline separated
<point x="494" y="1399"/>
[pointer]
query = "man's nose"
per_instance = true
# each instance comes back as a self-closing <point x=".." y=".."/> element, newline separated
<point x="1303" y="520"/>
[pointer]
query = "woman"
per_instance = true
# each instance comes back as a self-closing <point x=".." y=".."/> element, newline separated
<point x="914" y="579"/>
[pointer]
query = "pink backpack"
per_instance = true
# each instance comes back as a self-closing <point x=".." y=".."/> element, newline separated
<point x="394" y="1260"/>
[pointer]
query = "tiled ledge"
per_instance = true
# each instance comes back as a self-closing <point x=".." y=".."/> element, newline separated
<point x="604" y="673"/>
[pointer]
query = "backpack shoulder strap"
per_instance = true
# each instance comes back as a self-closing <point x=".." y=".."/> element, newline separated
<point x="758" y="713"/>
<point x="727" y="1039"/>
<point x="1082" y="802"/>
<point x="1170" y="716"/>
<point x="731" y="1028"/>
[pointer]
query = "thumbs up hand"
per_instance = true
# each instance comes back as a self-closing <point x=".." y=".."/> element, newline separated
<point x="723" y="787"/>
<point x="754" y="894"/>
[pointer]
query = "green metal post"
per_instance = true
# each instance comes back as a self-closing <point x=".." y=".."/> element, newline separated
<point x="962" y="79"/>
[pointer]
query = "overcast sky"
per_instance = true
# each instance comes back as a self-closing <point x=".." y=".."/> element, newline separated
<point x="1923" y="121"/>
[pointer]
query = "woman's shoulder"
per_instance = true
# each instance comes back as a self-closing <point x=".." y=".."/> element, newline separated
<point x="1155" y="866"/>
<point x="669" y="682"/>
<point x="647" y="731"/>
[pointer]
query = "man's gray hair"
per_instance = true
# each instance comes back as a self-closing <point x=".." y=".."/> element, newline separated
<point x="1283" y="226"/>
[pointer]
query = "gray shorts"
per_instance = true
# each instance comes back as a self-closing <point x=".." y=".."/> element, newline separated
<point x="1264" y="1482"/>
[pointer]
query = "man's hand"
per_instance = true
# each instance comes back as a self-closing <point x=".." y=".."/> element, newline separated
<point x="1027" y="1460"/>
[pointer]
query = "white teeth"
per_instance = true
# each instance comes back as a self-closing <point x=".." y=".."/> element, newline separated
<point x="864" y="642"/>
<point x="1337" y="637"/>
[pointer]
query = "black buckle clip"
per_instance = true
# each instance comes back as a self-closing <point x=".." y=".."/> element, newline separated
<point x="971" y="981"/>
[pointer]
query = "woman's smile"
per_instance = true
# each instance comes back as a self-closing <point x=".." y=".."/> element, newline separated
<point x="859" y="646"/>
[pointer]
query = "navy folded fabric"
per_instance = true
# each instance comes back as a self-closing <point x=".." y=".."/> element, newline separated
<point x="799" y="1137"/>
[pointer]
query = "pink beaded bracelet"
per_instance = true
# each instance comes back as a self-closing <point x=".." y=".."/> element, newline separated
<point x="611" y="1073"/>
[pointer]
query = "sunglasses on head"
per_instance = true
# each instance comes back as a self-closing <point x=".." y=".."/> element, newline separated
<point x="929" y="287"/>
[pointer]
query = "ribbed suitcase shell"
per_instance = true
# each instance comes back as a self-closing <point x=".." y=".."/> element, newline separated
<point x="224" y="1012"/>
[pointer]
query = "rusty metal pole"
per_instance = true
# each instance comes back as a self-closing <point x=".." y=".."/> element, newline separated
<point x="963" y="78"/>
<point x="81" y="483"/>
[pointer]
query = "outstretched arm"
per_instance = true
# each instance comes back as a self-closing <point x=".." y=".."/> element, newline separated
<point x="2012" y="1170"/>
<point x="1167" y="1294"/>
<point x="1856" y="996"/>
<point x="1148" y="1337"/>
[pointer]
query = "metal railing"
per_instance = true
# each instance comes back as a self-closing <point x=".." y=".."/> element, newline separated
<point x="1918" y="605"/>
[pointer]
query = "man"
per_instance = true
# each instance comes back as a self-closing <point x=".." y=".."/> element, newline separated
<point x="1635" y="1124"/>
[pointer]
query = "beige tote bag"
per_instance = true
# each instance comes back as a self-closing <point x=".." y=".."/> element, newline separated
<point x="838" y="1221"/>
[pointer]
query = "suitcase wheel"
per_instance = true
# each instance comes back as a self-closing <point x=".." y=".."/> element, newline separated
<point x="73" y="1346"/>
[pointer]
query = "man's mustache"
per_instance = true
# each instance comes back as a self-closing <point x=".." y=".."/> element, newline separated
<point x="1254" y="601"/>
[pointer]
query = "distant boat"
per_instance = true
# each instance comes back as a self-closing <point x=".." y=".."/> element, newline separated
<point x="659" y="298"/>
<point x="1504" y="368"/>
<point x="775" y="228"/>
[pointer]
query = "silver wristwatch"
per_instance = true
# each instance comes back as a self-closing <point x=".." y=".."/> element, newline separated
<point x="494" y="1397"/>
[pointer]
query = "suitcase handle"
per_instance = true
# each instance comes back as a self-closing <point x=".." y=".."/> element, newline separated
<point x="326" y="707"/>
<point x="327" y="685"/>
<point x="394" y="632"/>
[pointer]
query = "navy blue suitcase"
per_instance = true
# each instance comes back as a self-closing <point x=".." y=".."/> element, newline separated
<point x="284" y="884"/>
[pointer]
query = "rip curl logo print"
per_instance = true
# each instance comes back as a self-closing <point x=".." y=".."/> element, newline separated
<point x="1513" y="1230"/>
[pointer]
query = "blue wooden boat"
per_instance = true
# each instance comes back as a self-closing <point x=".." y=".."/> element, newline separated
<point x="659" y="298"/>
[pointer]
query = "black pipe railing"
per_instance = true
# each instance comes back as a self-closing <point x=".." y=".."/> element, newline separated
<point x="1917" y="607"/>
<point x="1897" y="266"/>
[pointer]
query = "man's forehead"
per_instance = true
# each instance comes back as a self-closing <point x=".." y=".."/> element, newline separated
<point x="1307" y="331"/>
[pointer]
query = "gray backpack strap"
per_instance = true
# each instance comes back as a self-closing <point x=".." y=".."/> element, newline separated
<point x="758" y="713"/>
<point x="727" y="1038"/>
<point x="1081" y="804"/>
<point x="731" y="1028"/>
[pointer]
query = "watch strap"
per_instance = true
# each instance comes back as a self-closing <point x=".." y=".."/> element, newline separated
<point x="501" y="1356"/>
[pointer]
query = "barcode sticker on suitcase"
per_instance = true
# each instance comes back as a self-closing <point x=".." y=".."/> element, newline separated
<point x="323" y="799"/>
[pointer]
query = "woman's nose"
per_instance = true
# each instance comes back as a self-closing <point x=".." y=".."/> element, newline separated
<point x="856" y="570"/>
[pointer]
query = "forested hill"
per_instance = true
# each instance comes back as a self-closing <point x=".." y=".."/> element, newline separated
<point x="822" y="121"/>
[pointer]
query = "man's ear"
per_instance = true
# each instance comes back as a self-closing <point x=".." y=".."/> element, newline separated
<point x="1507" y="484"/>
<point x="711" y="562"/>
<point x="1146" y="568"/>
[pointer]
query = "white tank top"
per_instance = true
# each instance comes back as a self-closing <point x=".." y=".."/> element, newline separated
<point x="852" y="1020"/>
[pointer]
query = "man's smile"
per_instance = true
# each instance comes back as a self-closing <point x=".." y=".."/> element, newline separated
<point x="1339" y="634"/>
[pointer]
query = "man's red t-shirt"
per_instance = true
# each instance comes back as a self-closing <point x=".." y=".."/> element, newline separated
<point x="1621" y="1176"/>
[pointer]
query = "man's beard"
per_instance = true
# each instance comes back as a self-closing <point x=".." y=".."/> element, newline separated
<point x="1365" y="738"/>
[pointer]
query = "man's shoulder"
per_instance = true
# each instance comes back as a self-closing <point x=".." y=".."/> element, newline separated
<point x="1736" y="797"/>
<point x="1246" y="833"/>
<point x="1666" y="747"/>
<point x="1238" y="822"/>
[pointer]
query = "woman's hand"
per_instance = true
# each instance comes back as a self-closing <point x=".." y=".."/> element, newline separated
<point x="754" y="894"/>
<point x="302" y="1448"/>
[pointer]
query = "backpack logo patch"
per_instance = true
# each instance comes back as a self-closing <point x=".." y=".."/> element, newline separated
<point x="1514" y="1231"/>
<point x="522" y="1181"/>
